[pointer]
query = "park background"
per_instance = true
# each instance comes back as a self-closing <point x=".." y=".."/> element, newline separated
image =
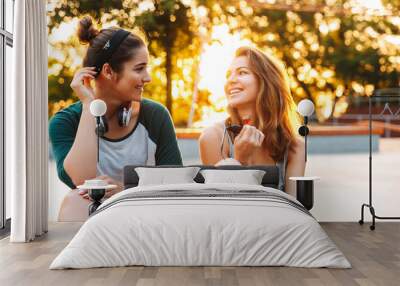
<point x="337" y="54"/>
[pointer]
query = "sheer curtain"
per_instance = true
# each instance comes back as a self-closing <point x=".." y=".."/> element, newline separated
<point x="26" y="118"/>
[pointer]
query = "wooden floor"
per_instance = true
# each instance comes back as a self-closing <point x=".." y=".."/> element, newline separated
<point x="374" y="255"/>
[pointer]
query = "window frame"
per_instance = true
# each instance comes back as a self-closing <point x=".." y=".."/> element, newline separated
<point x="6" y="39"/>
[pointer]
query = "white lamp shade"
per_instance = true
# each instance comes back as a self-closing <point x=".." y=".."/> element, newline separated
<point x="98" y="107"/>
<point x="305" y="107"/>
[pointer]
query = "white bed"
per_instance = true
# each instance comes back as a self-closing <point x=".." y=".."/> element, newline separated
<point x="201" y="224"/>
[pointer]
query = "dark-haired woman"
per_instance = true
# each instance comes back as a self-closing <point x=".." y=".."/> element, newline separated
<point x="140" y="131"/>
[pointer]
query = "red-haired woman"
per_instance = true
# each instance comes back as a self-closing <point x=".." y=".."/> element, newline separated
<point x="259" y="99"/>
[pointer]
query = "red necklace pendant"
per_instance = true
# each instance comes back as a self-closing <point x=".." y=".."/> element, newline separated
<point x="246" y="121"/>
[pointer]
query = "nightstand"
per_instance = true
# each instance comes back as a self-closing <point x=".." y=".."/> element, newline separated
<point x="305" y="190"/>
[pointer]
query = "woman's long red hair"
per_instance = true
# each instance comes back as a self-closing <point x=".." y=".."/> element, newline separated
<point x="276" y="113"/>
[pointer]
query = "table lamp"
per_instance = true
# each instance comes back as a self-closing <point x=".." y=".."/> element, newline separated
<point x="306" y="109"/>
<point x="97" y="108"/>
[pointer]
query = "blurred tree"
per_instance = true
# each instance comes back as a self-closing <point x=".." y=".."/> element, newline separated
<point x="392" y="5"/>
<point x="170" y="28"/>
<point x="61" y="66"/>
<point x="328" y="50"/>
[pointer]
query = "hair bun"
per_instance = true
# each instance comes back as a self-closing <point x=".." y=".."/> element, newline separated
<point x="86" y="30"/>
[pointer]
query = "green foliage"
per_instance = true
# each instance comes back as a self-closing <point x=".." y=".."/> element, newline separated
<point x="170" y="29"/>
<point x="330" y="54"/>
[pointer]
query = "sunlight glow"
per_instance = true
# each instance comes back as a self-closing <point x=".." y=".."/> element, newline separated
<point x="368" y="7"/>
<point x="216" y="59"/>
<point x="324" y="103"/>
<point x="370" y="4"/>
<point x="145" y="6"/>
<point x="393" y="39"/>
<point x="64" y="31"/>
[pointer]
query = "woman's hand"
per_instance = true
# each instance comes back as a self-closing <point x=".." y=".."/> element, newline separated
<point x="109" y="192"/>
<point x="81" y="84"/>
<point x="248" y="139"/>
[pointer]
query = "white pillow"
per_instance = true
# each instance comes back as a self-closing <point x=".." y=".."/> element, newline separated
<point x="164" y="176"/>
<point x="249" y="177"/>
<point x="228" y="161"/>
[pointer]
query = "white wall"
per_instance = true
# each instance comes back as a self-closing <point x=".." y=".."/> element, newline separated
<point x="343" y="187"/>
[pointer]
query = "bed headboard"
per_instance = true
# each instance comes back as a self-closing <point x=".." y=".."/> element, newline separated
<point x="270" y="179"/>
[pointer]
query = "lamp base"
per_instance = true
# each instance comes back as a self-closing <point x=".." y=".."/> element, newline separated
<point x="305" y="190"/>
<point x="305" y="193"/>
<point x="96" y="195"/>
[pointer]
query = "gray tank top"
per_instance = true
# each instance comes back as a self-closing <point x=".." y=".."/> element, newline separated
<point x="136" y="148"/>
<point x="281" y="165"/>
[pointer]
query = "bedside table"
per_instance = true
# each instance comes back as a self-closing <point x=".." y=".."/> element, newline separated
<point x="305" y="190"/>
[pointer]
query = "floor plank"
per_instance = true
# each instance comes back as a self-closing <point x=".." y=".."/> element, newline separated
<point x="374" y="255"/>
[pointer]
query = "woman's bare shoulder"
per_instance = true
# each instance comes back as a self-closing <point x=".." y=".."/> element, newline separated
<point x="212" y="132"/>
<point x="299" y="143"/>
<point x="297" y="149"/>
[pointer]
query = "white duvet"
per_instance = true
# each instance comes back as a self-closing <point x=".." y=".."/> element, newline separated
<point x="185" y="230"/>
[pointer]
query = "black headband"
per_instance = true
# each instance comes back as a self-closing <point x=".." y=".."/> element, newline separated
<point x="109" y="49"/>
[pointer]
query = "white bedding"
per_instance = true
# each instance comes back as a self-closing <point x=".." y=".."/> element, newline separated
<point x="187" y="230"/>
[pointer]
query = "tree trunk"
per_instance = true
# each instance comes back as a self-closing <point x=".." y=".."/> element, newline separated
<point x="195" y="88"/>
<point x="168" y="71"/>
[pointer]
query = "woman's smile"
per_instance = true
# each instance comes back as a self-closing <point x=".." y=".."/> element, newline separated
<point x="235" y="91"/>
<point x="139" y="88"/>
